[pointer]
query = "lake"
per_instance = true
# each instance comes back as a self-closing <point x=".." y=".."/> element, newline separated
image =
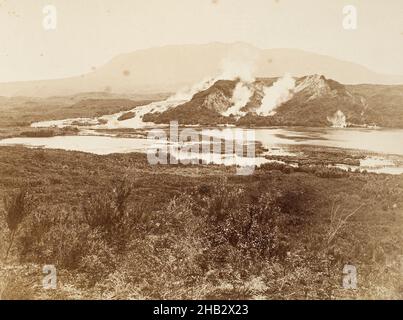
<point x="385" y="143"/>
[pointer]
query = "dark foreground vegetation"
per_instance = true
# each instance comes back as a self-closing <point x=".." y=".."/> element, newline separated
<point x="116" y="228"/>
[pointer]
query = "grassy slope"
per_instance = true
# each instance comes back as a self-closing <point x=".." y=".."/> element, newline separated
<point x="27" y="112"/>
<point x="169" y="257"/>
<point x="19" y="112"/>
<point x="386" y="101"/>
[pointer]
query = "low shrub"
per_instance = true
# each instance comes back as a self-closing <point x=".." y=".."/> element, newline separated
<point x="17" y="207"/>
<point x="127" y="116"/>
<point x="254" y="224"/>
<point x="39" y="134"/>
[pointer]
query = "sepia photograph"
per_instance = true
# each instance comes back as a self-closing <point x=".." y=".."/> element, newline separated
<point x="201" y="150"/>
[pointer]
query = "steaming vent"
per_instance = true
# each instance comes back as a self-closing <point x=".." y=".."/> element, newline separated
<point x="338" y="120"/>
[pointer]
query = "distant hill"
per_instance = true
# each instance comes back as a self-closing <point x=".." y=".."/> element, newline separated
<point x="167" y="69"/>
<point x="312" y="101"/>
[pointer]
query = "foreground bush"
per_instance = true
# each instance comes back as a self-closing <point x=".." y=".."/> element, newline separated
<point x="190" y="236"/>
<point x="88" y="240"/>
<point x="17" y="207"/>
<point x="214" y="241"/>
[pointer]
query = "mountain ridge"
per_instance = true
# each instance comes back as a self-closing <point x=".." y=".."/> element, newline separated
<point x="313" y="100"/>
<point x="169" y="68"/>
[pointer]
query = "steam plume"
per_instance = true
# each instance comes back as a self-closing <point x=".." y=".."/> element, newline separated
<point x="338" y="120"/>
<point x="280" y="92"/>
<point x="242" y="94"/>
<point x="240" y="64"/>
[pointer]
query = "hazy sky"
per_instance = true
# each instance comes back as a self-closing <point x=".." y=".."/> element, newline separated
<point x="90" y="32"/>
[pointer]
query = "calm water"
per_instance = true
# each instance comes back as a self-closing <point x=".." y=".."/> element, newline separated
<point x="383" y="142"/>
<point x="379" y="141"/>
<point x="93" y="144"/>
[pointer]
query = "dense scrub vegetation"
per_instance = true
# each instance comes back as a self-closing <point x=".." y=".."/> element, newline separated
<point x="116" y="227"/>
